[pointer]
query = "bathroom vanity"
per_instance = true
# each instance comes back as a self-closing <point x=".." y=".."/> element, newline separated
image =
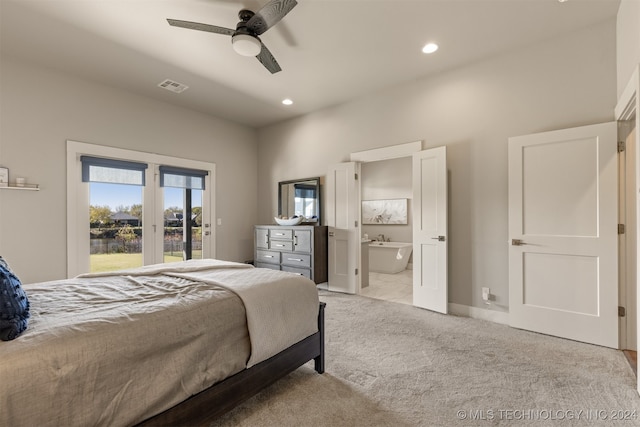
<point x="300" y="249"/>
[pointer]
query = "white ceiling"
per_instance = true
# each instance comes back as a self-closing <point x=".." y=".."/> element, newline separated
<point x="330" y="51"/>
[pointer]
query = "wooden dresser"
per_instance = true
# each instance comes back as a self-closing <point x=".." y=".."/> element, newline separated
<point x="299" y="249"/>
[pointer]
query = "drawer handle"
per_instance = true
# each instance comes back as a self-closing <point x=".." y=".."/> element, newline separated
<point x="294" y="259"/>
<point x="279" y="234"/>
<point x="280" y="246"/>
<point x="267" y="256"/>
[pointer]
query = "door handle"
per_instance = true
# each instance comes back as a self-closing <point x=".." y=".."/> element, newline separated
<point x="517" y="242"/>
<point x="439" y="238"/>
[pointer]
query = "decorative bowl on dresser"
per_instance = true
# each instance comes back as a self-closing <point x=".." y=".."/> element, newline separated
<point x="289" y="221"/>
<point x="298" y="249"/>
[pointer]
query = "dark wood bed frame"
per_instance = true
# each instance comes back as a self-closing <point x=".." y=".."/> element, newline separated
<point x="225" y="395"/>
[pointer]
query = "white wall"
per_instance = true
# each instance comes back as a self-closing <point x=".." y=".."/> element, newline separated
<point x="564" y="82"/>
<point x="388" y="179"/>
<point x="628" y="41"/>
<point x="40" y="109"/>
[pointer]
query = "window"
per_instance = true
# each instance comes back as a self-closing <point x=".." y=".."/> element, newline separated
<point x="120" y="198"/>
<point x="115" y="212"/>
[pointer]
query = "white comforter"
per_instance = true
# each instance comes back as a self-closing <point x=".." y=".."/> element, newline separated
<point x="115" y="350"/>
<point x="275" y="301"/>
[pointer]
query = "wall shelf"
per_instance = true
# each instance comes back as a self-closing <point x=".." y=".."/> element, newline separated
<point x="28" y="187"/>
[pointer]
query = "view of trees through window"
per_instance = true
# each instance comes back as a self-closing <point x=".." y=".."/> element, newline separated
<point x="116" y="229"/>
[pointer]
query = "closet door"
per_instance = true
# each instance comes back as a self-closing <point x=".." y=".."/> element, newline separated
<point x="563" y="256"/>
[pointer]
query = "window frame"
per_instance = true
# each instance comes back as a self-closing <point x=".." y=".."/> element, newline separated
<point x="152" y="219"/>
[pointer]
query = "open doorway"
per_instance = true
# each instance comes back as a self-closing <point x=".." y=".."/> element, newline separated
<point x="387" y="230"/>
<point x="429" y="207"/>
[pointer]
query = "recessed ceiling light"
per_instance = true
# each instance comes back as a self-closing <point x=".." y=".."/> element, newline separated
<point x="430" y="48"/>
<point x="287" y="101"/>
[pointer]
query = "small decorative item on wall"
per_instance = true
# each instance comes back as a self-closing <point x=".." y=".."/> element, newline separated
<point x="392" y="211"/>
<point x="4" y="177"/>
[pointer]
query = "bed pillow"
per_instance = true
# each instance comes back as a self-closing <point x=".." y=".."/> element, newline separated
<point x="14" y="305"/>
<point x="4" y="264"/>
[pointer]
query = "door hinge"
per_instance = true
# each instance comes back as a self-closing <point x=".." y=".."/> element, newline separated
<point x="356" y="222"/>
<point x="622" y="311"/>
<point x="620" y="228"/>
<point x="356" y="271"/>
<point x="621" y="146"/>
<point x="355" y="176"/>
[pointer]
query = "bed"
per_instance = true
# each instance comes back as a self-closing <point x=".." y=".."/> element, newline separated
<point x="168" y="344"/>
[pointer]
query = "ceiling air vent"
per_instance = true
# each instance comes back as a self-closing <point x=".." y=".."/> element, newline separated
<point x="173" y="86"/>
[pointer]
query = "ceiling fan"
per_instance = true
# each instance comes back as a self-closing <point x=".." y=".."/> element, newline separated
<point x="245" y="38"/>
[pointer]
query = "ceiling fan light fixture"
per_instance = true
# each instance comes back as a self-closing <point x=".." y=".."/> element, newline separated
<point x="246" y="45"/>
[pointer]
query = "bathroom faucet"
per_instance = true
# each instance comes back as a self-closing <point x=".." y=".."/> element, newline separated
<point x="381" y="237"/>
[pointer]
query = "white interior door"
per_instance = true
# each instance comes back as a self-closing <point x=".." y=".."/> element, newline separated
<point x="430" y="288"/>
<point x="628" y="243"/>
<point x="343" y="214"/>
<point x="563" y="263"/>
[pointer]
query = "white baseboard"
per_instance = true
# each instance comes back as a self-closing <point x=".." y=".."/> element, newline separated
<point x="479" y="313"/>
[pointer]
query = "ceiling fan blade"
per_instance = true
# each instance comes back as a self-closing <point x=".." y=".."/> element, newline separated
<point x="201" y="27"/>
<point x="270" y="15"/>
<point x="267" y="59"/>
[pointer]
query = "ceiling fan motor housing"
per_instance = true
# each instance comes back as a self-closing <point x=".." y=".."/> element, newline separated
<point x="245" y="15"/>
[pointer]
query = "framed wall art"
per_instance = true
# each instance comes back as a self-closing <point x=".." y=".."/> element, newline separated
<point x="390" y="211"/>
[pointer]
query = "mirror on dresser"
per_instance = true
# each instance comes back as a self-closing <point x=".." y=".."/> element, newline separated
<point x="300" y="197"/>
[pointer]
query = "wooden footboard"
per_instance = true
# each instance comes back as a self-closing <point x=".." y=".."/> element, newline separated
<point x="225" y="395"/>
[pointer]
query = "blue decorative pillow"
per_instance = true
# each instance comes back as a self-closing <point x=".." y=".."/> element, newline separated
<point x="14" y="305"/>
<point x="3" y="263"/>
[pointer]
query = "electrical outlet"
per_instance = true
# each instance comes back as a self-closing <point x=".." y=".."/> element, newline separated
<point x="486" y="292"/>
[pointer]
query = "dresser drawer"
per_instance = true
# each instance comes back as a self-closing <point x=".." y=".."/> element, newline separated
<point x="297" y="260"/>
<point x="281" y="245"/>
<point x="281" y="234"/>
<point x="301" y="271"/>
<point x="265" y="265"/>
<point x="268" y="256"/>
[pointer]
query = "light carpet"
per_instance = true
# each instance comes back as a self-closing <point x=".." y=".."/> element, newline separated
<point x="390" y="364"/>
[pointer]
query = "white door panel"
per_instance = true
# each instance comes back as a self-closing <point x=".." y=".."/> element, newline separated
<point x="430" y="289"/>
<point x="343" y="213"/>
<point x="563" y="277"/>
